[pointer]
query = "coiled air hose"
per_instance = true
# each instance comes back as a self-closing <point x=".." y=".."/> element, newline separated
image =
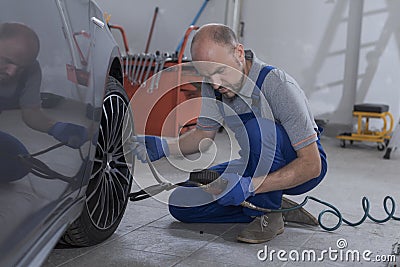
<point x="206" y="181"/>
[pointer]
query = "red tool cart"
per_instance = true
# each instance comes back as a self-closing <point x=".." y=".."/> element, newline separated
<point x="164" y="90"/>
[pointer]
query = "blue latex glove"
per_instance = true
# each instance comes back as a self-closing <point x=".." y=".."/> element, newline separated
<point x="238" y="190"/>
<point x="157" y="147"/>
<point x="71" y="135"/>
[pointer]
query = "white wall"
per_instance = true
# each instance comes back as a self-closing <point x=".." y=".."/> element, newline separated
<point x="306" y="38"/>
<point x="174" y="17"/>
<point x="298" y="37"/>
<point x="309" y="38"/>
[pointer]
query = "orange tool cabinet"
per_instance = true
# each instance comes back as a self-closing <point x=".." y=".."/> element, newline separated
<point x="165" y="90"/>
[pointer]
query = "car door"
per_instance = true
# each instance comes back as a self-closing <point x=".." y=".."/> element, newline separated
<point x="42" y="168"/>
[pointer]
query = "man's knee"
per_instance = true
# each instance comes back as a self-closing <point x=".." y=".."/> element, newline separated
<point x="180" y="204"/>
<point x="184" y="203"/>
<point x="189" y="197"/>
<point x="182" y="214"/>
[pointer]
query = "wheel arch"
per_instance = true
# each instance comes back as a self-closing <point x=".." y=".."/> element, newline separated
<point x="116" y="71"/>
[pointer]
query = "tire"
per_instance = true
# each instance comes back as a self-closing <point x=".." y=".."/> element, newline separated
<point x="110" y="181"/>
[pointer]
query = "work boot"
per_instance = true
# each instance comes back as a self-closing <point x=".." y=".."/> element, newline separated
<point x="262" y="229"/>
<point x="299" y="215"/>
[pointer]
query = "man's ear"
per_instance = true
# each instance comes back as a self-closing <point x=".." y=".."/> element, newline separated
<point x="239" y="52"/>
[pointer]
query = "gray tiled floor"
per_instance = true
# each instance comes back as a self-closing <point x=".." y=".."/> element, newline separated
<point x="149" y="236"/>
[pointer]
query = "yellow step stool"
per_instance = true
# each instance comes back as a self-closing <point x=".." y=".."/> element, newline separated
<point x="364" y="112"/>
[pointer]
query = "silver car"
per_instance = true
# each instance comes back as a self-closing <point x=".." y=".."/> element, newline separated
<point x="64" y="118"/>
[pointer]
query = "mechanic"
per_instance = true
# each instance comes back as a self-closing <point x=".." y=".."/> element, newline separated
<point x="20" y="80"/>
<point x="279" y="155"/>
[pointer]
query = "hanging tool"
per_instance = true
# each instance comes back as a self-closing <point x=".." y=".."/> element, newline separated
<point x="143" y="66"/>
<point x="156" y="66"/>
<point x="129" y="60"/>
<point x="141" y="57"/>
<point x="151" y="30"/>
<point x="148" y="69"/>
<point x="134" y="68"/>
<point x="164" y="58"/>
<point x="203" y="6"/>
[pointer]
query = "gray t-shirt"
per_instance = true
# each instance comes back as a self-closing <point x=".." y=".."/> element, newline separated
<point x="24" y="91"/>
<point x="285" y="101"/>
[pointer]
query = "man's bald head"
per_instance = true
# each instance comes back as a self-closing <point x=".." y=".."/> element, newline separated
<point x="219" y="58"/>
<point x="19" y="48"/>
<point x="21" y="34"/>
<point x="218" y="34"/>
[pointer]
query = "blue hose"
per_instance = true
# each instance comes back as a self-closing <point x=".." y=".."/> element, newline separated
<point x="333" y="210"/>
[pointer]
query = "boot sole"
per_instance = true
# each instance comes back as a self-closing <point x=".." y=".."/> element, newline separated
<point x="257" y="241"/>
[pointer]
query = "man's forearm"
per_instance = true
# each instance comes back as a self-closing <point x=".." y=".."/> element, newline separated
<point x="37" y="120"/>
<point x="304" y="168"/>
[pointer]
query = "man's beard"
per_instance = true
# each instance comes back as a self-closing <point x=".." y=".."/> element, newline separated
<point x="5" y="78"/>
<point x="237" y="86"/>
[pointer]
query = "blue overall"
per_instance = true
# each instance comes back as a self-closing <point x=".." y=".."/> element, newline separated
<point x="265" y="147"/>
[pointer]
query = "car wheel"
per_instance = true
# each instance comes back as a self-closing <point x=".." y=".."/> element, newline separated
<point x="110" y="181"/>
